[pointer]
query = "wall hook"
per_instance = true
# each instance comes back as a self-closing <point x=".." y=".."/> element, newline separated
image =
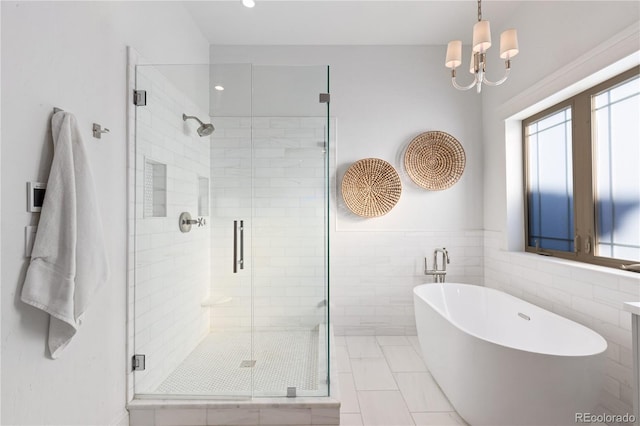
<point x="98" y="131"/>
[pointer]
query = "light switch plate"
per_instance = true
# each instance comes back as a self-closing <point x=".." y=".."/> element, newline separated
<point x="35" y="196"/>
<point x="29" y="238"/>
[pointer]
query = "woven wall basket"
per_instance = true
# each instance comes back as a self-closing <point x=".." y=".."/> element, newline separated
<point x="371" y="187"/>
<point x="434" y="160"/>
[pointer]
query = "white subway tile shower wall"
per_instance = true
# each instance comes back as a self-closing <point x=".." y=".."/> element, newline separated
<point x="585" y="294"/>
<point x="172" y="271"/>
<point x="283" y="210"/>
<point x="373" y="275"/>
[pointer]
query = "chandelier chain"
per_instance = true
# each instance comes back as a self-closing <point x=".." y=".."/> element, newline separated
<point x="479" y="10"/>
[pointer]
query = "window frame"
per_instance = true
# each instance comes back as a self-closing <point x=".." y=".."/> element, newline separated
<point x="584" y="167"/>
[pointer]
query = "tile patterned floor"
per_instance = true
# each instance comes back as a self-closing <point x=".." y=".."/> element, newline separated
<point x="383" y="381"/>
<point x="282" y="359"/>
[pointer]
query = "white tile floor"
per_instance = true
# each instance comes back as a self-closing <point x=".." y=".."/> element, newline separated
<point x="383" y="381"/>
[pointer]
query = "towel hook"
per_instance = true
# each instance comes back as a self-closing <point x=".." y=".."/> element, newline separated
<point x="98" y="131"/>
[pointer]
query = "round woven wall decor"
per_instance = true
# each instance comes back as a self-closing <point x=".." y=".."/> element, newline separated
<point x="371" y="187"/>
<point x="434" y="160"/>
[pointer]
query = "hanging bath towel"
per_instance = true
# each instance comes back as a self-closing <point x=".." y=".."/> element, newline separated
<point x="68" y="261"/>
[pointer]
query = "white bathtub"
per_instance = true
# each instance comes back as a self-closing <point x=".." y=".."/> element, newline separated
<point x="499" y="368"/>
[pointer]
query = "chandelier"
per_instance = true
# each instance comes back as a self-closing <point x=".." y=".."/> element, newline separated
<point x="481" y="43"/>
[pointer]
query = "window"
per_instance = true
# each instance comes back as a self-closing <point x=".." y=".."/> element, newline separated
<point x="582" y="175"/>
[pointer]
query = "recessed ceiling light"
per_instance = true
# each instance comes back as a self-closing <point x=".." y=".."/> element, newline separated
<point x="248" y="3"/>
<point x="218" y="88"/>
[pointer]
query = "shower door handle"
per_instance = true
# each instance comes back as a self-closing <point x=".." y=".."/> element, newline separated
<point x="241" y="261"/>
<point x="235" y="246"/>
<point x="238" y="261"/>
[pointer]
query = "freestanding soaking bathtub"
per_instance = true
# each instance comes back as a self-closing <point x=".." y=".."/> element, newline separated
<point x="503" y="361"/>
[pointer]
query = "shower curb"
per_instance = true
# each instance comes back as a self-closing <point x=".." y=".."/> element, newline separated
<point x="251" y="412"/>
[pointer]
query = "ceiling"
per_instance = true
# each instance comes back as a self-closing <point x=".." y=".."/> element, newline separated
<point x="344" y="22"/>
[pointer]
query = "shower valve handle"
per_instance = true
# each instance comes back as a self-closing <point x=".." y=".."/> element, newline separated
<point x="200" y="221"/>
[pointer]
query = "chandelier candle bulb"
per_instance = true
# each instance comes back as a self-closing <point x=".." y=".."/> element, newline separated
<point x="454" y="54"/>
<point x="481" y="36"/>
<point x="508" y="44"/>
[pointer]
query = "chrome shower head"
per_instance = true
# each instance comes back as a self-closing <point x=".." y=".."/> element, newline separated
<point x="204" y="129"/>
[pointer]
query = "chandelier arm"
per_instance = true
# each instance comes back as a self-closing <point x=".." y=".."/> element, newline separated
<point x="502" y="80"/>
<point x="457" y="86"/>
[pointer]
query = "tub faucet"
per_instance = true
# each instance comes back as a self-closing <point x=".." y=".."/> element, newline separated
<point x="438" y="274"/>
<point x="445" y="259"/>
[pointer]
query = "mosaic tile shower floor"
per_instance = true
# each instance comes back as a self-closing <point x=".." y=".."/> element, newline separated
<point x="216" y="366"/>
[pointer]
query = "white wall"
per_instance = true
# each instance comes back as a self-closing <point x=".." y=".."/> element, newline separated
<point x="383" y="96"/>
<point x="561" y="43"/>
<point x="73" y="55"/>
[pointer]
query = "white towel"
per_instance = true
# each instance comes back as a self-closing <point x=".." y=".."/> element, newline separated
<point x="68" y="261"/>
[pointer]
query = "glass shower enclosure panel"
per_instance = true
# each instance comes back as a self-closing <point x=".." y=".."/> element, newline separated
<point x="289" y="230"/>
<point x="174" y="230"/>
<point x="231" y="231"/>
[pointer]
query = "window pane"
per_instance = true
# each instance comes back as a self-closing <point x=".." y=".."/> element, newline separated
<point x="617" y="159"/>
<point x="552" y="120"/>
<point x="601" y="100"/>
<point x="550" y="183"/>
<point x="626" y="90"/>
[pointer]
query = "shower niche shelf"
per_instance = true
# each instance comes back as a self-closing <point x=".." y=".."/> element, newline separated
<point x="155" y="189"/>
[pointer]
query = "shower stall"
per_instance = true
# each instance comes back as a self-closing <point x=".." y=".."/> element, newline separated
<point x="230" y="266"/>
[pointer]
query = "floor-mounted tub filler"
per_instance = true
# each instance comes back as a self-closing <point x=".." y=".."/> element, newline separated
<point x="503" y="361"/>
